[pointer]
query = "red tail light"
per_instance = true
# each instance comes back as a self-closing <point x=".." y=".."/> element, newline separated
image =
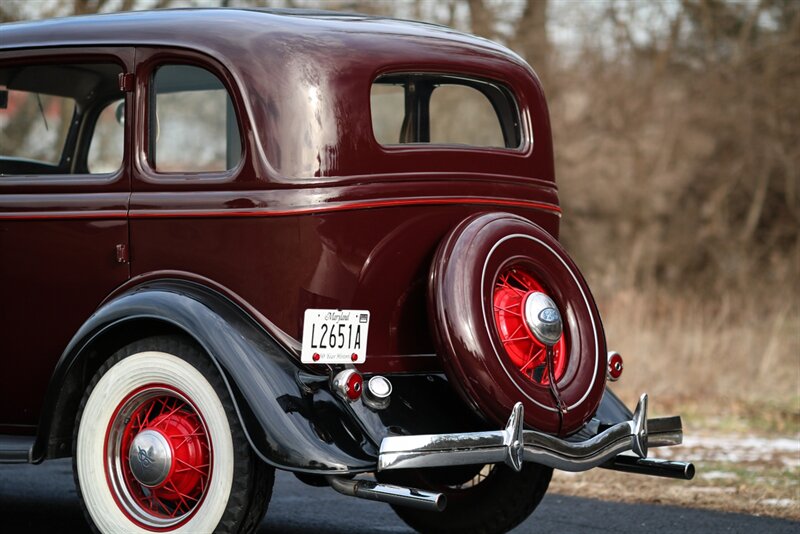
<point x="615" y="366"/>
<point x="348" y="384"/>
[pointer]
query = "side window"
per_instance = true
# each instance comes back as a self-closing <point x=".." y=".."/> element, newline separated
<point x="34" y="125"/>
<point x="193" y="126"/>
<point x="459" y="114"/>
<point x="43" y="109"/>
<point x="442" y="109"/>
<point x="105" y="150"/>
<point x="387" y="102"/>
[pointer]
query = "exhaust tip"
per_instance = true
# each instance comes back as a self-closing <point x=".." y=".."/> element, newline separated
<point x="688" y="471"/>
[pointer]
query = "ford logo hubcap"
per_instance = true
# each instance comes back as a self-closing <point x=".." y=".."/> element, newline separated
<point x="543" y="318"/>
<point x="150" y="457"/>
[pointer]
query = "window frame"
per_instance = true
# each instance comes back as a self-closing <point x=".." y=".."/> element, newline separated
<point x="480" y="84"/>
<point x="149" y="60"/>
<point x="123" y="57"/>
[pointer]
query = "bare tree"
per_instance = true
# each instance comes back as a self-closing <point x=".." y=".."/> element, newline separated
<point x="481" y="19"/>
<point x="531" y="38"/>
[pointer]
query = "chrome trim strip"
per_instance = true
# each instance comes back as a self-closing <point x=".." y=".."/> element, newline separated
<point x="513" y="445"/>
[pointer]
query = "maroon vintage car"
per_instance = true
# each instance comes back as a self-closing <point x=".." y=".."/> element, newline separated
<point x="233" y="241"/>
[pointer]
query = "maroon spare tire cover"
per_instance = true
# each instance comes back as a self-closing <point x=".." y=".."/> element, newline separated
<point x="480" y="277"/>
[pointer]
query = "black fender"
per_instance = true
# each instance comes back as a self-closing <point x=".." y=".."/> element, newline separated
<point x="612" y="410"/>
<point x="287" y="425"/>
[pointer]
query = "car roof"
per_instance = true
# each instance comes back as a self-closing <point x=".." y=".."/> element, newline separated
<point x="279" y="59"/>
<point x="202" y="26"/>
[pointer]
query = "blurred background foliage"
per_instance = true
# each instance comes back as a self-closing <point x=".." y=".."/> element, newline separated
<point x="677" y="142"/>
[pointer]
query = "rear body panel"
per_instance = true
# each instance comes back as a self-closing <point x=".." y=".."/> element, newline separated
<point x="352" y="258"/>
<point x="318" y="213"/>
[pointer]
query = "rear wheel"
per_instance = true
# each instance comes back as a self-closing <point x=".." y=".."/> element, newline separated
<point x="480" y="499"/>
<point x="158" y="446"/>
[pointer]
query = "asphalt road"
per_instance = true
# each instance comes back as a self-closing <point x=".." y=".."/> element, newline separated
<point x="42" y="498"/>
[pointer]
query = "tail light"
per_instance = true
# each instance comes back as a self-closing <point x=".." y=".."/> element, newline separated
<point x="615" y="366"/>
<point x="348" y="384"/>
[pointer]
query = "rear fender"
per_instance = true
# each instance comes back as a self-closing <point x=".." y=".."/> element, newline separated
<point x="287" y="426"/>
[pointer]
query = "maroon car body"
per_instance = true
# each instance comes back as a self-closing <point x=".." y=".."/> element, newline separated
<point x="315" y="214"/>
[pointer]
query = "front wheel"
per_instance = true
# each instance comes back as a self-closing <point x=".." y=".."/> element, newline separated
<point x="158" y="446"/>
<point x="485" y="499"/>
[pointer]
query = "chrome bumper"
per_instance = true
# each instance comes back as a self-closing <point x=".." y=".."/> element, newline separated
<point x="513" y="445"/>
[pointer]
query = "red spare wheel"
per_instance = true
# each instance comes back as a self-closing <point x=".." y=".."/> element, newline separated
<point x="483" y="274"/>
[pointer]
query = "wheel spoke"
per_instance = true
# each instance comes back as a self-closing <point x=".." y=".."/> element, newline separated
<point x="525" y="285"/>
<point x="532" y="358"/>
<point x="511" y="339"/>
<point x="160" y="506"/>
<point x="149" y="411"/>
<point x="506" y="310"/>
<point x="512" y="287"/>
<point x="182" y="504"/>
<point x="188" y="466"/>
<point x="171" y="412"/>
<point x="187" y="437"/>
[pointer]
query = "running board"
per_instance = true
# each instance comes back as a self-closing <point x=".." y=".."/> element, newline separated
<point x="16" y="449"/>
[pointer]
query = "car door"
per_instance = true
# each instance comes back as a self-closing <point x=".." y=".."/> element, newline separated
<point x="64" y="190"/>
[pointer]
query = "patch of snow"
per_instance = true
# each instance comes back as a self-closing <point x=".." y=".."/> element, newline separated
<point x="783" y="503"/>
<point x="737" y="449"/>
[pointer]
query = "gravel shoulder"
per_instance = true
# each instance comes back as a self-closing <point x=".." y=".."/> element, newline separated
<point x="749" y="474"/>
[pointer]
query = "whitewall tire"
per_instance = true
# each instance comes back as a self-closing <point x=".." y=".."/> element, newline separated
<point x="158" y="447"/>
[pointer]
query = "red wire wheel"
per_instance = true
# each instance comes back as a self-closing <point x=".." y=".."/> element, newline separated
<point x="158" y="446"/>
<point x="512" y="288"/>
<point x="481" y="276"/>
<point x="158" y="457"/>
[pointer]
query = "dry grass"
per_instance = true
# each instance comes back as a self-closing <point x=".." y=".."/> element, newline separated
<point x="731" y="368"/>
<point x="732" y="357"/>
<point x="678" y="160"/>
<point x="759" y="490"/>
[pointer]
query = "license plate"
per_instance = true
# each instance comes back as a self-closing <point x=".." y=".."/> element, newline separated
<point x="335" y="336"/>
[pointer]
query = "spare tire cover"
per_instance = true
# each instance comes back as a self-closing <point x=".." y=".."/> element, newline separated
<point x="481" y="275"/>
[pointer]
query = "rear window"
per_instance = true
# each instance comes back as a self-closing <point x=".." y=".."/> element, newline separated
<point x="443" y="110"/>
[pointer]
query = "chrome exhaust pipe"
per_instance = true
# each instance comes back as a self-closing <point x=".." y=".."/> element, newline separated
<point x="399" y="495"/>
<point x="652" y="467"/>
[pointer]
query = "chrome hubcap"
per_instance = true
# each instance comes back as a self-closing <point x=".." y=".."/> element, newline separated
<point x="150" y="458"/>
<point x="543" y="318"/>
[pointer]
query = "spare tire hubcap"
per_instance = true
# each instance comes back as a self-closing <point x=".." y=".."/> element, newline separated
<point x="543" y="318"/>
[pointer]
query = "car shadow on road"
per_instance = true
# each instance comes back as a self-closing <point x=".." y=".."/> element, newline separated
<point x="44" y="499"/>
